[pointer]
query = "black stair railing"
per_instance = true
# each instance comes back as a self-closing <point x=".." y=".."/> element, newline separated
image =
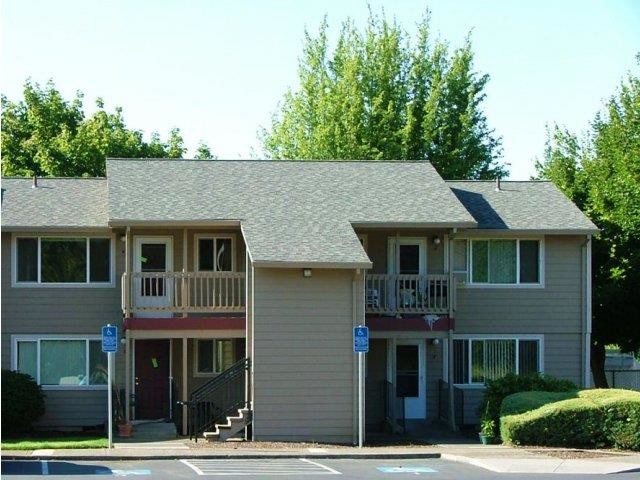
<point x="218" y="399"/>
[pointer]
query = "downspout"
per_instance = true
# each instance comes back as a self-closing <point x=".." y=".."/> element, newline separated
<point x="588" y="314"/>
<point x="452" y="418"/>
<point x="127" y="313"/>
<point x="354" y="364"/>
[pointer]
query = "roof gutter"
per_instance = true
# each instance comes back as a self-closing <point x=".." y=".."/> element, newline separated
<point x="365" y="224"/>
<point x="174" y="223"/>
<point x="300" y="264"/>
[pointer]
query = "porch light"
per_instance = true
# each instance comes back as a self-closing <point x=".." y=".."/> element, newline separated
<point x="306" y="272"/>
<point x="436" y="241"/>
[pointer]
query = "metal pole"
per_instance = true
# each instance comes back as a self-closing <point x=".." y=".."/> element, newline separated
<point x="110" y="394"/>
<point x="360" y="400"/>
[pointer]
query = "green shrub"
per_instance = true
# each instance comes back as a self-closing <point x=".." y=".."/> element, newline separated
<point x="500" y="388"/>
<point x="22" y="402"/>
<point x="592" y="418"/>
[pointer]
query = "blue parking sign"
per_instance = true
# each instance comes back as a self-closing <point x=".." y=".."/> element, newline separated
<point x="361" y="339"/>
<point x="109" y="339"/>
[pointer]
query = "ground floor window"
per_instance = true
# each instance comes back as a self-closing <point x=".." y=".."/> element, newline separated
<point x="477" y="360"/>
<point x="214" y="356"/>
<point x="62" y="362"/>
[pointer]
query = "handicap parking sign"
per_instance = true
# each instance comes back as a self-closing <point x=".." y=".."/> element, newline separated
<point x="109" y="339"/>
<point x="361" y="339"/>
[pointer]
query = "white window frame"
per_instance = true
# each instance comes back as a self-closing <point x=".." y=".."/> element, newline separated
<point x="517" y="338"/>
<point x="541" y="259"/>
<point x="208" y="236"/>
<point x="86" y="284"/>
<point x="39" y="338"/>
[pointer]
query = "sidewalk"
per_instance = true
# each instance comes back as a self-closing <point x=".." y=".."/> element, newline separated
<point x="497" y="458"/>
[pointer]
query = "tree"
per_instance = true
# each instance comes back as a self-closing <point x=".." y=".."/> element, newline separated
<point x="203" y="152"/>
<point x="46" y="135"/>
<point x="602" y="175"/>
<point x="378" y="96"/>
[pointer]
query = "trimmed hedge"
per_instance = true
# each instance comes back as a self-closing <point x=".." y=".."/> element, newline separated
<point x="497" y="390"/>
<point x="22" y="402"/>
<point x="586" y="418"/>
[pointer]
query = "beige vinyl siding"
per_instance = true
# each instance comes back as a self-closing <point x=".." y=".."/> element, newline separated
<point x="302" y="355"/>
<point x="555" y="311"/>
<point x="40" y="311"/>
<point x="68" y="408"/>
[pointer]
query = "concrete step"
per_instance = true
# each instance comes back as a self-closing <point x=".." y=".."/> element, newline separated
<point x="225" y="431"/>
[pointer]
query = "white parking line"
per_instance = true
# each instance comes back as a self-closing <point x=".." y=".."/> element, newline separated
<point x="45" y="467"/>
<point x="285" y="466"/>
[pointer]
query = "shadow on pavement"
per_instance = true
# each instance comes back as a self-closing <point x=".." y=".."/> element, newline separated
<point x="36" y="467"/>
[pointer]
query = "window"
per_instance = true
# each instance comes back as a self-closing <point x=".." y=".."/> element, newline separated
<point x="214" y="356"/>
<point x="215" y="254"/>
<point x="506" y="262"/>
<point x="63" y="260"/>
<point x="477" y="360"/>
<point x="460" y="258"/>
<point x="62" y="362"/>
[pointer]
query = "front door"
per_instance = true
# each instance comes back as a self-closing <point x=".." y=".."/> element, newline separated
<point x="406" y="257"/>
<point x="152" y="379"/>
<point x="410" y="377"/>
<point x="153" y="255"/>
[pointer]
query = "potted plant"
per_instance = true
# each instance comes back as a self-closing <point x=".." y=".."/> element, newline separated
<point x="125" y="429"/>
<point x="487" y="427"/>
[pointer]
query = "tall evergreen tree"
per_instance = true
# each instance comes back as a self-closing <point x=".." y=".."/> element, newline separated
<point x="379" y="96"/>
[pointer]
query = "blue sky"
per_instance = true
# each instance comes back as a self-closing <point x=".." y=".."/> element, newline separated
<point x="217" y="69"/>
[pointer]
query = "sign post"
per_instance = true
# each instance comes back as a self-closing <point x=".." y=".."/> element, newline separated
<point x="361" y="346"/>
<point x="110" y="346"/>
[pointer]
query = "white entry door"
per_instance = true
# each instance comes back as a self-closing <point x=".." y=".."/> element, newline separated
<point x="410" y="384"/>
<point x="153" y="255"/>
<point x="406" y="256"/>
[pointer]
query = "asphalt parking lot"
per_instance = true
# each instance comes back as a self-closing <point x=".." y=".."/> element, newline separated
<point x="352" y="469"/>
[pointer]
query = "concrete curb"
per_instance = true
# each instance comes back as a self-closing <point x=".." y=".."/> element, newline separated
<point x="219" y="456"/>
<point x="546" y="466"/>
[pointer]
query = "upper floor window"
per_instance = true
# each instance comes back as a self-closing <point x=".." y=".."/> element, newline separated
<point x="505" y="261"/>
<point x="215" y="253"/>
<point x="51" y="260"/>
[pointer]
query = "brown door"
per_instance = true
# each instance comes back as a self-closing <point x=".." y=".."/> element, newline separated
<point x="152" y="379"/>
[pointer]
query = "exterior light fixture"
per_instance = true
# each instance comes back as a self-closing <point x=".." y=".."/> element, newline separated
<point x="436" y="241"/>
<point x="306" y="272"/>
<point x="435" y="341"/>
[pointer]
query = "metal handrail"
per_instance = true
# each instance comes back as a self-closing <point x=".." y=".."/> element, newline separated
<point x="217" y="399"/>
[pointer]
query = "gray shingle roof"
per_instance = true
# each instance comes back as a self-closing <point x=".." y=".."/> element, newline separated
<point x="56" y="203"/>
<point x="521" y="206"/>
<point x="290" y="211"/>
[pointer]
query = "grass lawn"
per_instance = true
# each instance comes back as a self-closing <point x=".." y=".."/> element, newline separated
<point x="54" y="442"/>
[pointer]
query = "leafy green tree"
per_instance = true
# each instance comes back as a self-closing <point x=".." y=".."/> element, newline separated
<point x="602" y="175"/>
<point x="378" y="95"/>
<point x="47" y="135"/>
<point x="203" y="152"/>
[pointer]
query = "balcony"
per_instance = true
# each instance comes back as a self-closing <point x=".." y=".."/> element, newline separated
<point x="395" y="294"/>
<point x="183" y="292"/>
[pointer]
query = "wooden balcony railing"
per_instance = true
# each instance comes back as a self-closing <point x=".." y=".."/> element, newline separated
<point x="417" y="294"/>
<point x="183" y="292"/>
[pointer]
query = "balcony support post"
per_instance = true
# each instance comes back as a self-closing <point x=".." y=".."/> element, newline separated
<point x="184" y="270"/>
<point x="185" y="397"/>
<point x="127" y="272"/>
